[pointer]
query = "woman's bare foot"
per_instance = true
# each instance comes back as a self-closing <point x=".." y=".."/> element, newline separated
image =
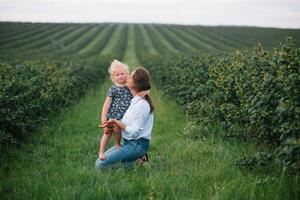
<point x="102" y="156"/>
<point x="142" y="161"/>
<point x="117" y="146"/>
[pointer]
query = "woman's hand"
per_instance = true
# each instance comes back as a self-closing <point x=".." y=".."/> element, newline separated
<point x="107" y="127"/>
<point x="111" y="121"/>
<point x="116" y="122"/>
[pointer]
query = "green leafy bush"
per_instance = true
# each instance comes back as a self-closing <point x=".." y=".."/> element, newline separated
<point x="260" y="91"/>
<point x="32" y="91"/>
<point x="288" y="155"/>
<point x="251" y="94"/>
<point x="184" y="77"/>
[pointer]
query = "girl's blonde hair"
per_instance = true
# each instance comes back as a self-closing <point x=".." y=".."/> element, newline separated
<point x="115" y="64"/>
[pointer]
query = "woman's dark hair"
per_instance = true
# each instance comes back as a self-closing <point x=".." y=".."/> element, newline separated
<point x="142" y="81"/>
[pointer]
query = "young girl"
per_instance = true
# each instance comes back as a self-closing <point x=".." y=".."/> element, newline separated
<point x="115" y="105"/>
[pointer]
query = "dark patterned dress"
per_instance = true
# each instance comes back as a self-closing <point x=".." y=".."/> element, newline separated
<point x="121" y="98"/>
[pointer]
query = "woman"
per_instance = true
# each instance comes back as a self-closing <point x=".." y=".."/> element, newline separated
<point x="136" y="124"/>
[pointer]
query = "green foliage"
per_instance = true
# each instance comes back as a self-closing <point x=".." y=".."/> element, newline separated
<point x="251" y="94"/>
<point x="174" y="40"/>
<point x="120" y="48"/>
<point x="142" y="52"/>
<point x="32" y="91"/>
<point x="183" y="76"/>
<point x="260" y="91"/>
<point x="288" y="155"/>
<point x="159" y="42"/>
<point x="260" y="159"/>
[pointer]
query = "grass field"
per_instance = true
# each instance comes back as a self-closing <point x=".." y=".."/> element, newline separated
<point x="57" y="161"/>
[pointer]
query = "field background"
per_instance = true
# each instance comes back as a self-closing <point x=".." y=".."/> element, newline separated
<point x="57" y="160"/>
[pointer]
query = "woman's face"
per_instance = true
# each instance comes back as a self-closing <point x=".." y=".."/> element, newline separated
<point x="129" y="81"/>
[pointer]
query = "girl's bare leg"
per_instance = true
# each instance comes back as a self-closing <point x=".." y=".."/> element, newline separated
<point x="104" y="140"/>
<point x="117" y="136"/>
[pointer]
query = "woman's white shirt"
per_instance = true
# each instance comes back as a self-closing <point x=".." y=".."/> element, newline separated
<point x="138" y="120"/>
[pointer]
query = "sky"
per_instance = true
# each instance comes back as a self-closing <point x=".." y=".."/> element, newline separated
<point x="263" y="13"/>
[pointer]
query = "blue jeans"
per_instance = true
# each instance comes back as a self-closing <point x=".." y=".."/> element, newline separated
<point x="125" y="155"/>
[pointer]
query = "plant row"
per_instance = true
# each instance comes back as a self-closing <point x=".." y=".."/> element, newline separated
<point x="32" y="91"/>
<point x="251" y="94"/>
<point x="166" y="38"/>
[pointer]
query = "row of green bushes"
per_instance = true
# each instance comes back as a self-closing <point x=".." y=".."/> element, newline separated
<point x="251" y="94"/>
<point x="31" y="91"/>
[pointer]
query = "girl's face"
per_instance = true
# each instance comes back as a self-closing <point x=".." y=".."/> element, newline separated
<point x="119" y="75"/>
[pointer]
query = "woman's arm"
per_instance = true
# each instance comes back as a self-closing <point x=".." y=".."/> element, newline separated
<point x="121" y="125"/>
<point x="133" y="121"/>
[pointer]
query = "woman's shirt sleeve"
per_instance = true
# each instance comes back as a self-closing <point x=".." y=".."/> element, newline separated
<point x="136" y="120"/>
<point x="137" y="124"/>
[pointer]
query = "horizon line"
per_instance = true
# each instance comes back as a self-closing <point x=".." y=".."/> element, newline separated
<point x="161" y="23"/>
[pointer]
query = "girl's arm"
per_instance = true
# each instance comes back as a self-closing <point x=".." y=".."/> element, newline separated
<point x="105" y="108"/>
